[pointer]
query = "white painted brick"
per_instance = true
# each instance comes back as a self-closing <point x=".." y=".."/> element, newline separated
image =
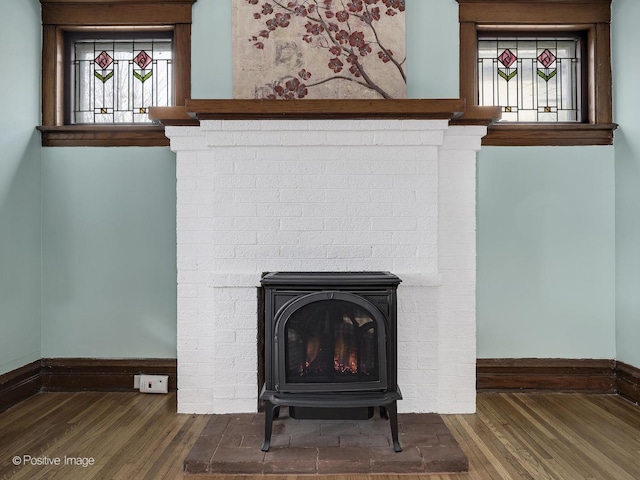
<point x="249" y="209"/>
<point x="234" y="181"/>
<point x="349" y="138"/>
<point x="325" y="210"/>
<point x="186" y="144"/>
<point x="303" y="251"/>
<point x="281" y="125"/>
<point x="253" y="195"/>
<point x="348" y="251"/>
<point x="424" y="124"/>
<point x="348" y="224"/>
<point x="220" y="139"/>
<point x="364" y="264"/>
<point x="247" y="336"/>
<point x="325" y="238"/>
<point x="313" y="205"/>
<point x="393" y="195"/>
<point x="370" y="209"/>
<point x="172" y="131"/>
<point x="210" y="124"/>
<point x="188" y="291"/>
<point x="302" y="224"/>
<point x="248" y="224"/>
<point x="366" y="237"/>
<point x="281" y="182"/>
<point x="247" y="392"/>
<point x="301" y="196"/>
<point x="244" y="125"/>
<point x="240" y="237"/>
<point x="318" y="264"/>
<point x="348" y="195"/>
<point x="279" y="238"/>
<point x="394" y="223"/>
<point x="325" y="181"/>
<point x="280" y="264"/>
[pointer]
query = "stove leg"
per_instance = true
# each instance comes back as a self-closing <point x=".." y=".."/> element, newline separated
<point x="392" y="410"/>
<point x="270" y="411"/>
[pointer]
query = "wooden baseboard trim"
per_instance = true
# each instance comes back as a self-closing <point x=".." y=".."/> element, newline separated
<point x="19" y="384"/>
<point x="493" y="375"/>
<point x="545" y="374"/>
<point x="102" y="375"/>
<point x="80" y="374"/>
<point x="628" y="382"/>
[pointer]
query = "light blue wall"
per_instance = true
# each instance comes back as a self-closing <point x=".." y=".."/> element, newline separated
<point x="546" y="261"/>
<point x="109" y="252"/>
<point x="546" y="281"/>
<point x="626" y="52"/>
<point x="546" y="276"/>
<point x="19" y="184"/>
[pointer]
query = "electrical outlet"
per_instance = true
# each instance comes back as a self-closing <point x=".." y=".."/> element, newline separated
<point x="136" y="382"/>
<point x="154" y="383"/>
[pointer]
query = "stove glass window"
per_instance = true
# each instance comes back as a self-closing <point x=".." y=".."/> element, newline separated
<point x="331" y="341"/>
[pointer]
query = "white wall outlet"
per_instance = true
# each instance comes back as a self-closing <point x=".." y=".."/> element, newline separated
<point x="154" y="383"/>
<point x="136" y="382"/>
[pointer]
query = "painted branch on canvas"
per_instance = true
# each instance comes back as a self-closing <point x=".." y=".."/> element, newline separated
<point x="292" y="49"/>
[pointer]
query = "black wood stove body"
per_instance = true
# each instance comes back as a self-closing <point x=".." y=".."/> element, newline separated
<point x="330" y="343"/>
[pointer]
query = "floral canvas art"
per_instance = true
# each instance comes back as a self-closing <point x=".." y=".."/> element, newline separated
<point x="293" y="49"/>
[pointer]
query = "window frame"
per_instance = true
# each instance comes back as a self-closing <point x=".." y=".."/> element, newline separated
<point x="591" y="18"/>
<point x="62" y="17"/>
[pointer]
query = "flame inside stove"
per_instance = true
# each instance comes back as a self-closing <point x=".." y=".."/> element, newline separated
<point x="345" y="356"/>
<point x="313" y="349"/>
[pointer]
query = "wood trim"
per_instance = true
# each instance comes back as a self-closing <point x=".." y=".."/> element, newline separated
<point x="454" y="110"/>
<point x="103" y="136"/>
<point x="182" y="63"/>
<point x="319" y="109"/>
<point x="603" y="79"/>
<point x="116" y="12"/>
<point x="469" y="62"/>
<point x="80" y="374"/>
<point x="539" y="12"/>
<point x="591" y="18"/>
<point x="105" y="375"/>
<point x="628" y="382"/>
<point x="545" y="374"/>
<point x="18" y="385"/>
<point x="62" y="16"/>
<point x="519" y="134"/>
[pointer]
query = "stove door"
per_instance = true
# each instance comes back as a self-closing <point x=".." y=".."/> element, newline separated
<point x="330" y="341"/>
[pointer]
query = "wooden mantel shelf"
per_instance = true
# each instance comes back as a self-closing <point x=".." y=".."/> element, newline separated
<point x="454" y="110"/>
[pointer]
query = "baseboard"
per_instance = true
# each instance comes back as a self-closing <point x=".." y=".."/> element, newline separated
<point x="493" y="375"/>
<point x="80" y="374"/>
<point x="102" y="375"/>
<point x="18" y="385"/>
<point x="628" y="381"/>
<point x="545" y="374"/>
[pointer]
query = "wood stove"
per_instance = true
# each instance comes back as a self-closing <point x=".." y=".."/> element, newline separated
<point x="330" y="345"/>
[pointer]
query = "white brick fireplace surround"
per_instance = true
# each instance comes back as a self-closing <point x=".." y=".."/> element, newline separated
<point x="264" y="195"/>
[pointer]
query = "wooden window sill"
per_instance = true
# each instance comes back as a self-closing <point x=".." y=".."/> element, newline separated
<point x="549" y="134"/>
<point x="103" y="136"/>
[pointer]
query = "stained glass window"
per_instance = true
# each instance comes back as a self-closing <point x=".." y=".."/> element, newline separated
<point x="534" y="80"/>
<point x="117" y="80"/>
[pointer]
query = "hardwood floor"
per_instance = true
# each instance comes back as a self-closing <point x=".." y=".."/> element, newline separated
<point x="134" y="436"/>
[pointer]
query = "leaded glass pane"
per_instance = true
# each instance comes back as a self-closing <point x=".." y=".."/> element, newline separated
<point x="533" y="80"/>
<point x="116" y="81"/>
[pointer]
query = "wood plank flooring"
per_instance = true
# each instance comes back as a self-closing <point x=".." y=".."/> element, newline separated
<point x="135" y="436"/>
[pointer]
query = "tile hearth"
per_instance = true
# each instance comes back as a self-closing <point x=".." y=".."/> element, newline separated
<point x="230" y="444"/>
